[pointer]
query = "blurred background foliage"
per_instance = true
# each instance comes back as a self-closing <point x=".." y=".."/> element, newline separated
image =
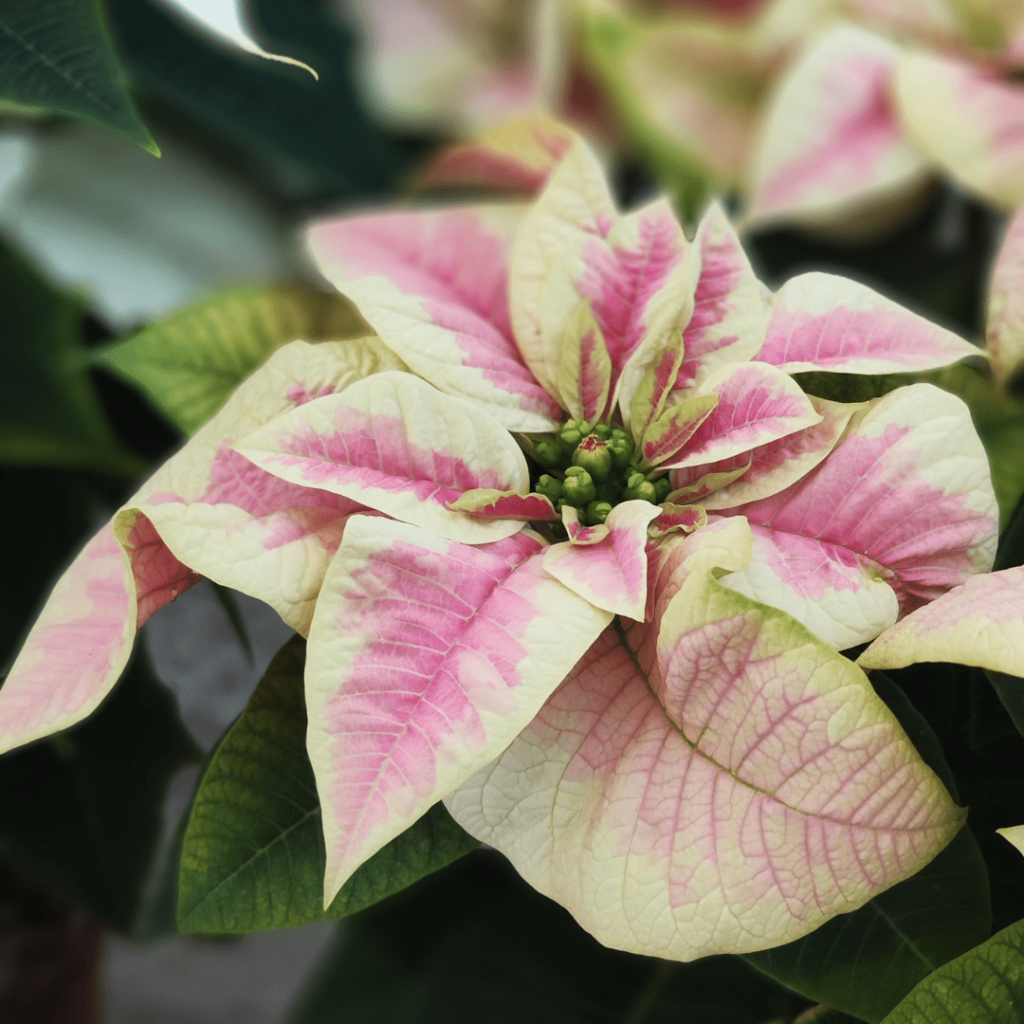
<point x="137" y="292"/>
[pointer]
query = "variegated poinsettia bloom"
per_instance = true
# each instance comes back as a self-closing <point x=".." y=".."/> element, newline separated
<point x="460" y="65"/>
<point x="873" y="107"/>
<point x="824" y="112"/>
<point x="689" y="70"/>
<point x="575" y="553"/>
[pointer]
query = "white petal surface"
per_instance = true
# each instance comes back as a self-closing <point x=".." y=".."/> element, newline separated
<point x="396" y="444"/>
<point x="724" y="785"/>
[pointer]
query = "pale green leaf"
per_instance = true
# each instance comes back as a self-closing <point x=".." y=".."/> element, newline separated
<point x="984" y="986"/>
<point x="189" y="363"/>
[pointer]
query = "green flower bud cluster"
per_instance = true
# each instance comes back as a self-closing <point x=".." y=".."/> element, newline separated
<point x="593" y="469"/>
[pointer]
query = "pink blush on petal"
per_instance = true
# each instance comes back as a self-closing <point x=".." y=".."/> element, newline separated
<point x="621" y="282"/>
<point x="443" y="609"/>
<point x="924" y="535"/>
<point x="234" y="480"/>
<point x="159" y="576"/>
<point x="300" y="396"/>
<point x="451" y="257"/>
<point x="379" y="445"/>
<point x="287" y="511"/>
<point x="855" y="144"/>
<point x="721" y="272"/>
<point x="812" y="568"/>
<point x="492" y="352"/>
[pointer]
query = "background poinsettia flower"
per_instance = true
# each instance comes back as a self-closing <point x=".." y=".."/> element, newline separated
<point x="456" y="67"/>
<point x="1005" y="327"/>
<point x="866" y="114"/>
<point x="374" y="492"/>
<point x="683" y="80"/>
<point x="831" y="114"/>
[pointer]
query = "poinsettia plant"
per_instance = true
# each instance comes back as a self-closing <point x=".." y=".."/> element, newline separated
<point x="576" y="554"/>
<point x="674" y="586"/>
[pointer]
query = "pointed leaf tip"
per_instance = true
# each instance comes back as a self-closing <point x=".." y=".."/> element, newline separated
<point x="224" y="18"/>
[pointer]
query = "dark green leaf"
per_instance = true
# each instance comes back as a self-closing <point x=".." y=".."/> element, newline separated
<point x="313" y="134"/>
<point x="1010" y="690"/>
<point x="476" y="944"/>
<point x="984" y="986"/>
<point x="56" y="54"/>
<point x="83" y="808"/>
<point x="189" y="363"/>
<point x="253" y="856"/>
<point x="999" y="803"/>
<point x="916" y="727"/>
<point x="864" y="963"/>
<point x="1010" y="552"/>
<point x="989" y="722"/>
<point x="999" y="420"/>
<point x="49" y="412"/>
<point x="851" y="387"/>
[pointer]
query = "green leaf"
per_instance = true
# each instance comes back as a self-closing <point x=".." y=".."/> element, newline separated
<point x="916" y="727"/>
<point x="49" y="411"/>
<point x="56" y="54"/>
<point x="83" y="808"/>
<point x="864" y="963"/>
<point x="1010" y="552"/>
<point x="229" y="602"/>
<point x="313" y="137"/>
<point x="1010" y="690"/>
<point x="984" y="986"/>
<point x="253" y="856"/>
<point x="189" y="363"/>
<point x="851" y="387"/>
<point x="476" y="944"/>
<point x="999" y="420"/>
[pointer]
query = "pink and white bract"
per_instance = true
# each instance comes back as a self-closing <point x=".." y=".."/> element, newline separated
<point x="621" y="672"/>
<point x="867" y="113"/>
